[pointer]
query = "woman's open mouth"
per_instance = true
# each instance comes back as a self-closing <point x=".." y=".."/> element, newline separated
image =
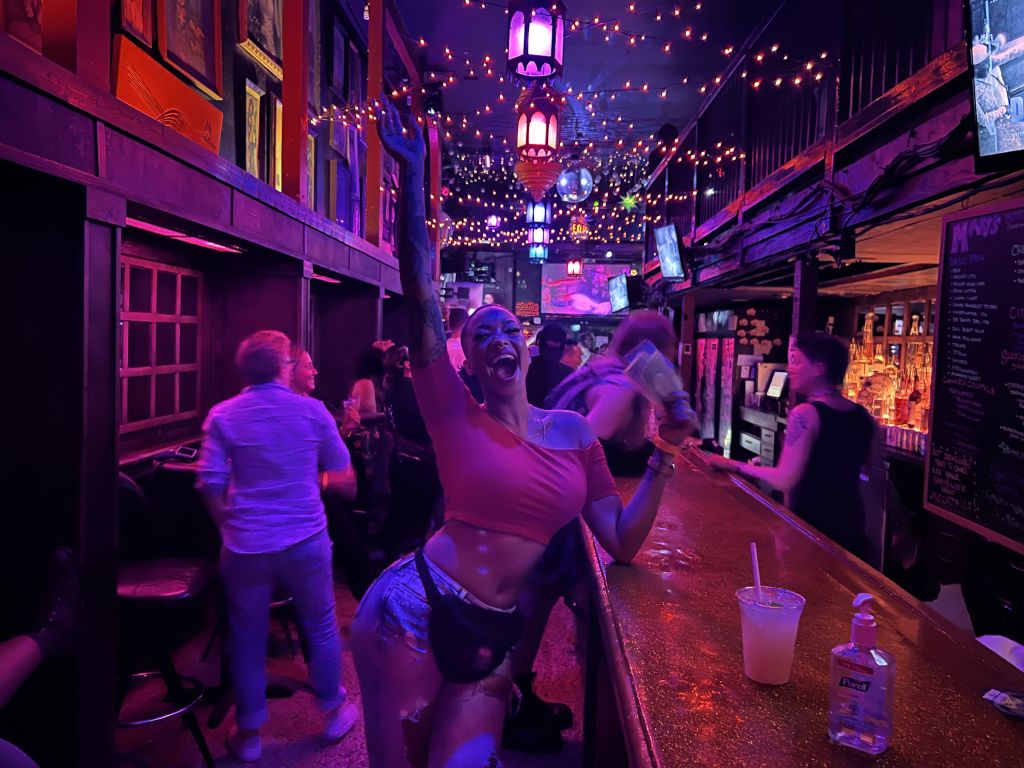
<point x="505" y="366"/>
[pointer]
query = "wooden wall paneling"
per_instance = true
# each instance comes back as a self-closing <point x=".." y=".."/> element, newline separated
<point x="250" y="294"/>
<point x="295" y="94"/>
<point x="46" y="128"/>
<point x="347" y="322"/>
<point x="97" y="644"/>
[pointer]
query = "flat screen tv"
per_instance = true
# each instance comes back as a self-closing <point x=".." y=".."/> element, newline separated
<point x="777" y="384"/>
<point x="995" y="57"/>
<point x="618" y="292"/>
<point x="668" y="252"/>
<point x="583" y="294"/>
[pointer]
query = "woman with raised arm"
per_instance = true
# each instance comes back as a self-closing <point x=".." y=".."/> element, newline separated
<point x="432" y="635"/>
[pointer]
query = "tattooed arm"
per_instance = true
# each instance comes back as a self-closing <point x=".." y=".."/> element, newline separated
<point x="426" y="328"/>
<point x="800" y="436"/>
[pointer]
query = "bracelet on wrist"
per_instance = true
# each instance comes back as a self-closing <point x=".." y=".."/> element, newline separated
<point x="663" y="468"/>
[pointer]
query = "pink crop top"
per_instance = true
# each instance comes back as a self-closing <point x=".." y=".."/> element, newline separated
<point x="495" y="479"/>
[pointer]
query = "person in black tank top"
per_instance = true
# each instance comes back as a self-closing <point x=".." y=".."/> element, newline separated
<point x="829" y="441"/>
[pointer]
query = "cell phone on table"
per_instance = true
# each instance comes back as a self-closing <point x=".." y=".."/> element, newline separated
<point x="185" y="453"/>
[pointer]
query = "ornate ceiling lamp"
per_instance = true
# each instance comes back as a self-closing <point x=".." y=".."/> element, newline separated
<point x="537" y="113"/>
<point x="538" y="176"/>
<point x="538" y="214"/>
<point x="536" y="29"/>
<point x="538" y="254"/>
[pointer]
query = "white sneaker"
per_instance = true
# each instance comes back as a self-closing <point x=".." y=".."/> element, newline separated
<point x="339" y="722"/>
<point x="245" y="748"/>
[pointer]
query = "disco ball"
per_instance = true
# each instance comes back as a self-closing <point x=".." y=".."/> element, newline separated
<point x="575" y="185"/>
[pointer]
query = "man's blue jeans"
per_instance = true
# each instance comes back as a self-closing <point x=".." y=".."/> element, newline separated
<point x="304" y="570"/>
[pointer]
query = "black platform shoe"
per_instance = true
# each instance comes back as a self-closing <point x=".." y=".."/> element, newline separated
<point x="534" y="725"/>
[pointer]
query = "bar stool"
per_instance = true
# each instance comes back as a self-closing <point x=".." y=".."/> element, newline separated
<point x="150" y="592"/>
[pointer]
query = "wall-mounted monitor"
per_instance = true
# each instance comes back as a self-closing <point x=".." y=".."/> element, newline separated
<point x="671" y="260"/>
<point x="995" y="58"/>
<point x="583" y="294"/>
<point x="618" y="292"/>
<point x="777" y="384"/>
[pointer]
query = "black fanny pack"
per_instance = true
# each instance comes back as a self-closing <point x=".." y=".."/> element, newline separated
<point x="468" y="641"/>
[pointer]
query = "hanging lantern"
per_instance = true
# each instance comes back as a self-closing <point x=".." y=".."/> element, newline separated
<point x="538" y="254"/>
<point x="539" y="236"/>
<point x="538" y="213"/>
<point x="493" y="221"/>
<point x="574" y="268"/>
<point x="538" y="177"/>
<point x="579" y="228"/>
<point x="536" y="29"/>
<point x="537" y="114"/>
<point x="575" y="184"/>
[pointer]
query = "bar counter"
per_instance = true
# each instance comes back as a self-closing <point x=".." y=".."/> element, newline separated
<point x="664" y="637"/>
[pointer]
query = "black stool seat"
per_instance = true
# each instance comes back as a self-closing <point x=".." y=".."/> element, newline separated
<point x="167" y="579"/>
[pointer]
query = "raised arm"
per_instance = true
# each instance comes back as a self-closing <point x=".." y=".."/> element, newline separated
<point x="426" y="328"/>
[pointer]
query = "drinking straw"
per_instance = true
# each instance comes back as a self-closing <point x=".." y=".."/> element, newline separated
<point x="757" y="571"/>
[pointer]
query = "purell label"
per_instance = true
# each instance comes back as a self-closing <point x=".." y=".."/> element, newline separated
<point x="861" y="686"/>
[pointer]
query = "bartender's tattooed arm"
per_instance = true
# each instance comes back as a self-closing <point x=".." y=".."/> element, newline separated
<point x="797" y="427"/>
<point x="426" y="328"/>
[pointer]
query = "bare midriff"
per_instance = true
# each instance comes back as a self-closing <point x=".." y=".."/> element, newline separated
<point x="490" y="565"/>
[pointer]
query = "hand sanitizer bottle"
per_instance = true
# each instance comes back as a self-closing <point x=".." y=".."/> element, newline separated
<point x="861" y="690"/>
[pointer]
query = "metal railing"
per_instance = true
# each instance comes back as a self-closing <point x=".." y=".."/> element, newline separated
<point x="812" y="69"/>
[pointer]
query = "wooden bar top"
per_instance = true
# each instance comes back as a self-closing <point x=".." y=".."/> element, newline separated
<point x="671" y="629"/>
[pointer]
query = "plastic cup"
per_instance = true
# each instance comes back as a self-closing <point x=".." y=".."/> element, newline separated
<point x="769" y="632"/>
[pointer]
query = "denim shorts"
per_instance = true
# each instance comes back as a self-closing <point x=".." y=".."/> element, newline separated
<point x="395" y="606"/>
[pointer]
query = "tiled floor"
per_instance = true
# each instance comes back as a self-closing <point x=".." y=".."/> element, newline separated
<point x="291" y="737"/>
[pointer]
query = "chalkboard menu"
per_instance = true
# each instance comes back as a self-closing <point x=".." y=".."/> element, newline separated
<point x="975" y="469"/>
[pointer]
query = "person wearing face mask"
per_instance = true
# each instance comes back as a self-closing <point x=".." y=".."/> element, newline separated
<point x="828" y="444"/>
<point x="432" y="636"/>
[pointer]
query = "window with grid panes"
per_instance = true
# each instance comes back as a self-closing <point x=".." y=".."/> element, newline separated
<point x="160" y="321"/>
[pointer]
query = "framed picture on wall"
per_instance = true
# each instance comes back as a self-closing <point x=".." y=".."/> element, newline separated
<point x="356" y="85"/>
<point x="253" y="98"/>
<point x="259" y="32"/>
<point x="188" y="35"/>
<point x="339" y="45"/>
<point x="23" y="21"/>
<point x="278" y="124"/>
<point x="339" y="137"/>
<point x="137" y="20"/>
<point x="311" y="170"/>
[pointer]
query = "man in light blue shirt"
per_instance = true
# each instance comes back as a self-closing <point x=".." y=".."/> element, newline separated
<point x="259" y="472"/>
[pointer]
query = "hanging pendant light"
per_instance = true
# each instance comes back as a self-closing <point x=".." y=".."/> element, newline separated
<point x="538" y="214"/>
<point x="537" y="176"/>
<point x="537" y="113"/>
<point x="536" y="29"/>
<point x="538" y="254"/>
